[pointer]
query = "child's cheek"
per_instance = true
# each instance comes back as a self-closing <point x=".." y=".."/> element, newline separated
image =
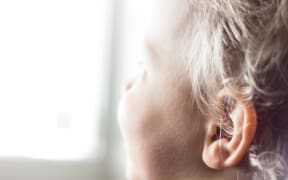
<point x="141" y="128"/>
<point x="136" y="117"/>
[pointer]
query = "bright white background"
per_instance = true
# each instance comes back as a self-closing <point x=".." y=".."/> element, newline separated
<point x="50" y="75"/>
<point x="62" y="65"/>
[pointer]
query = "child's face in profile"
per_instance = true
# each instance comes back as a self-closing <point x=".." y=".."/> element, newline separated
<point x="155" y="115"/>
<point x="165" y="135"/>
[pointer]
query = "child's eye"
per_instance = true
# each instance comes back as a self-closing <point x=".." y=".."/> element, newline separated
<point x="140" y="63"/>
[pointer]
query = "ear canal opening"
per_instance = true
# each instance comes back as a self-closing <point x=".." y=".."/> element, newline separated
<point x="221" y="133"/>
<point x="225" y="124"/>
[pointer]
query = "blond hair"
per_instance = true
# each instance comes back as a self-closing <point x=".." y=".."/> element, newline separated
<point x="245" y="43"/>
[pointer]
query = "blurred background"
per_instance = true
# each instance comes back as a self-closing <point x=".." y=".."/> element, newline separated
<point x="62" y="67"/>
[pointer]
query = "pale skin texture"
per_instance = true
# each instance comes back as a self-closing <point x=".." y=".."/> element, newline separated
<point x="165" y="137"/>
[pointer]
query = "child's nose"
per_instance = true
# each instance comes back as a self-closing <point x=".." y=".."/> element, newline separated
<point x="128" y="85"/>
<point x="130" y="82"/>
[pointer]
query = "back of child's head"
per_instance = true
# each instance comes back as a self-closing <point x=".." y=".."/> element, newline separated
<point x="243" y="45"/>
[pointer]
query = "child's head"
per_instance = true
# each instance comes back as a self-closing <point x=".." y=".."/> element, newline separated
<point x="212" y="100"/>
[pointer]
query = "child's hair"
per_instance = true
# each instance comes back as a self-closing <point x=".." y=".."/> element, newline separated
<point x="245" y="43"/>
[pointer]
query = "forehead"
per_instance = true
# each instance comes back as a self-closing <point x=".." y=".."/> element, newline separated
<point x="164" y="17"/>
<point x="164" y="22"/>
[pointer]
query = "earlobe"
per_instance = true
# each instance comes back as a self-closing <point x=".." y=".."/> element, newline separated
<point x="227" y="151"/>
<point x="214" y="153"/>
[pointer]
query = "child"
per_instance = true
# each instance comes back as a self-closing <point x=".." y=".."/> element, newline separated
<point x="212" y="101"/>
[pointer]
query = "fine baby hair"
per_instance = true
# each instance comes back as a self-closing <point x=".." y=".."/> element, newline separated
<point x="212" y="100"/>
<point x="243" y="45"/>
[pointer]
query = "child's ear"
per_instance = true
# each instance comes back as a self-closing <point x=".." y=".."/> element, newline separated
<point x="229" y="137"/>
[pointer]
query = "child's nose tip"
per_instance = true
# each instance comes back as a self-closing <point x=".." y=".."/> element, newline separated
<point x="129" y="84"/>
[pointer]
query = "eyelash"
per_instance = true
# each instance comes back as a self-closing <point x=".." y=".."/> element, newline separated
<point x="140" y="65"/>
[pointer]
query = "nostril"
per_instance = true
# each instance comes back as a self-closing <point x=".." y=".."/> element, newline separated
<point x="129" y="84"/>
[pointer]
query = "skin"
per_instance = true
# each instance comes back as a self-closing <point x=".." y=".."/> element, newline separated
<point x="164" y="135"/>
